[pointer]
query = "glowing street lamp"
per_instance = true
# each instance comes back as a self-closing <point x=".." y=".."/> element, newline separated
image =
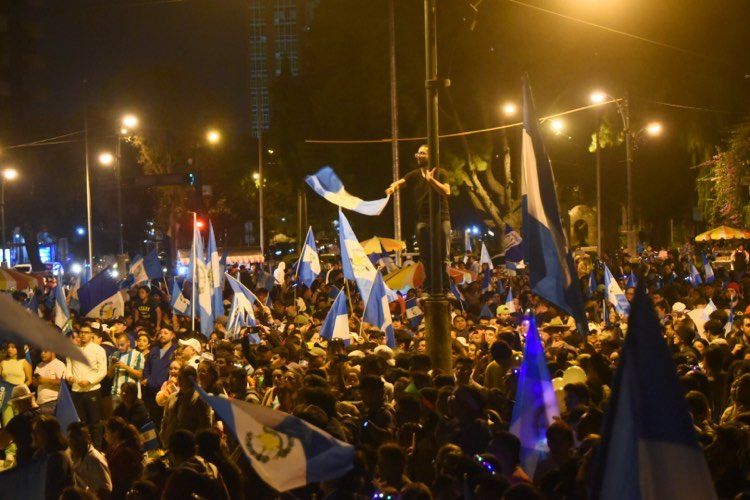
<point x="598" y="97"/>
<point x="654" y="129"/>
<point x="9" y="174"/>
<point x="213" y="137"/>
<point x="557" y="125"/>
<point x="509" y="109"/>
<point x="106" y="159"/>
<point x="130" y="122"/>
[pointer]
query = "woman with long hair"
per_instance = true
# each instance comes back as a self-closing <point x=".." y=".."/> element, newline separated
<point x="124" y="455"/>
<point x="14" y="370"/>
<point x="50" y="444"/>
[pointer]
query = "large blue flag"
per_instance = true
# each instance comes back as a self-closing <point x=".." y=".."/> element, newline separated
<point x="695" y="276"/>
<point x="354" y="261"/>
<point x="484" y="257"/>
<point x="65" y="410"/>
<point x="326" y="183"/>
<point x="215" y="273"/>
<point x="378" y="313"/>
<point x="614" y="293"/>
<point x="308" y="266"/>
<point x="650" y="448"/>
<point x="180" y="303"/>
<point x="284" y="450"/>
<point x="552" y="273"/>
<point x="61" y="313"/>
<point x="202" y="292"/>
<point x="414" y="313"/>
<point x="101" y="298"/>
<point x="513" y="245"/>
<point x="336" y="324"/>
<point x="536" y="404"/>
<point x="708" y="271"/>
<point x="145" y="269"/>
<point x="242" y="313"/>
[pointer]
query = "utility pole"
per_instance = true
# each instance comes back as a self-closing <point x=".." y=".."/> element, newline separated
<point x="2" y="215"/>
<point x="89" y="225"/>
<point x="437" y="307"/>
<point x="394" y="126"/>
<point x="598" y="184"/>
<point x="118" y="180"/>
<point x="629" y="230"/>
<point x="261" y="180"/>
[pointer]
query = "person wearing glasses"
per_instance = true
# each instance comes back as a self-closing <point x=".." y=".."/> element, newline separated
<point x="421" y="181"/>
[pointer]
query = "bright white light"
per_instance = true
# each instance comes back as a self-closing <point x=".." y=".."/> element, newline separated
<point x="80" y="231"/>
<point x="130" y="121"/>
<point x="557" y="125"/>
<point x="213" y="136"/>
<point x="277" y="252"/>
<point x="256" y="176"/>
<point x="509" y="109"/>
<point x="271" y="151"/>
<point x="598" y="97"/>
<point x="489" y="231"/>
<point x="76" y="268"/>
<point x="114" y="273"/>
<point x="283" y="219"/>
<point x="164" y="270"/>
<point x="474" y="230"/>
<point x="10" y="174"/>
<point x="654" y="128"/>
<point x="182" y="270"/>
<point x="106" y="158"/>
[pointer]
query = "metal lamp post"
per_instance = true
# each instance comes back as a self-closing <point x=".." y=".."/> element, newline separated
<point x="9" y="174"/>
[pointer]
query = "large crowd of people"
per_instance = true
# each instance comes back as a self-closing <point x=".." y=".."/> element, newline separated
<point x="419" y="433"/>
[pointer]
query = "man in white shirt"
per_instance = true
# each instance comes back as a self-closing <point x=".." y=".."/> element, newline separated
<point x="47" y="377"/>
<point x="85" y="382"/>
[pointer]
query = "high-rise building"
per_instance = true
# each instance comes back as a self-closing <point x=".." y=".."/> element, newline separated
<point x="277" y="29"/>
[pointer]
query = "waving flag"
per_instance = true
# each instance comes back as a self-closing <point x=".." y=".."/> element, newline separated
<point x="241" y="313"/>
<point x="32" y="304"/>
<point x="333" y="292"/>
<point x="632" y="281"/>
<point x="145" y="269"/>
<point x="61" y="313"/>
<point x="552" y="273"/>
<point x="536" y="404"/>
<point x="730" y="322"/>
<point x="378" y="313"/>
<point x="695" y="276"/>
<point x="201" y="284"/>
<point x="457" y="293"/>
<point x="510" y="302"/>
<point x="336" y="324"/>
<point x="708" y="270"/>
<point x="414" y="314"/>
<point x="513" y="247"/>
<point x="356" y="265"/>
<point x="308" y="266"/>
<point x="649" y="449"/>
<point x="180" y="303"/>
<point x="148" y="436"/>
<point x="486" y="313"/>
<point x="284" y="450"/>
<point x="615" y="295"/>
<point x="484" y="257"/>
<point x="215" y="273"/>
<point x="101" y="298"/>
<point x="487" y="281"/>
<point x="467" y="241"/>
<point x="65" y="410"/>
<point x="326" y="183"/>
<point x="592" y="284"/>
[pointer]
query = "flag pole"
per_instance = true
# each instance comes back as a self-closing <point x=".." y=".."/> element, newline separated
<point x="193" y="257"/>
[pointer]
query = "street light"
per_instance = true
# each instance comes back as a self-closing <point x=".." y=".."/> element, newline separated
<point x="213" y="137"/>
<point x="654" y="129"/>
<point x="9" y="174"/>
<point x="130" y="122"/>
<point x="557" y="125"/>
<point x="106" y="158"/>
<point x="509" y="109"/>
<point x="598" y="97"/>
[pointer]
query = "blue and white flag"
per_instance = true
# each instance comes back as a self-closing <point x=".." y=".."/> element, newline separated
<point x="650" y="448"/>
<point x="308" y="266"/>
<point x="512" y="246"/>
<point x="632" y="281"/>
<point x="552" y="273"/>
<point x="101" y="297"/>
<point x="355" y="263"/>
<point x="333" y="292"/>
<point x="242" y="313"/>
<point x="336" y="324"/>
<point x="284" y="450"/>
<point x="32" y="304"/>
<point x="457" y="293"/>
<point x="500" y="287"/>
<point x="65" y="410"/>
<point x="149" y="437"/>
<point x="6" y="389"/>
<point x="145" y="269"/>
<point x="487" y="280"/>
<point x="509" y="302"/>
<point x="592" y="284"/>
<point x="484" y="257"/>
<point x="326" y="183"/>
<point x="695" y="276"/>
<point x="710" y="308"/>
<point x="414" y="313"/>
<point x="708" y="271"/>
<point x="467" y="242"/>
<point x="536" y="404"/>
<point x="215" y="273"/>
<point x="486" y="313"/>
<point x="180" y="303"/>
<point x="201" y="284"/>
<point x="378" y="313"/>
<point x="730" y="322"/>
<point x="615" y="295"/>
<point x="61" y="313"/>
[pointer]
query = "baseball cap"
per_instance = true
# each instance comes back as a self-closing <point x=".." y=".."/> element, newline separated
<point x="194" y="343"/>
<point x="503" y="309"/>
<point x="316" y="352"/>
<point x="678" y="307"/>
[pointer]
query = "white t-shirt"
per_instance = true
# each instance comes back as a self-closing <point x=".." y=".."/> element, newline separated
<point x="46" y="392"/>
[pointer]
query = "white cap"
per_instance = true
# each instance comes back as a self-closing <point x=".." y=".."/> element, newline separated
<point x="678" y="307"/>
<point x="194" y="343"/>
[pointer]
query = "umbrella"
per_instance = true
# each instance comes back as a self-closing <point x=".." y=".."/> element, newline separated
<point x="379" y="245"/>
<point x="407" y="277"/>
<point x="23" y="280"/>
<point x="6" y="280"/>
<point x="723" y="233"/>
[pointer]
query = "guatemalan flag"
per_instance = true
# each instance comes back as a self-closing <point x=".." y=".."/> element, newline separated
<point x="201" y="284"/>
<point x="650" y="450"/>
<point x="215" y="273"/>
<point x="61" y="312"/>
<point x="487" y="281"/>
<point x="592" y="284"/>
<point x="456" y="293"/>
<point x="484" y="257"/>
<point x="336" y="324"/>
<point x="632" y="281"/>
<point x="552" y="273"/>
<point x="414" y="314"/>
<point x="509" y="302"/>
<point x="378" y="313"/>
<point x="308" y="267"/>
<point x="615" y="295"/>
<point x="536" y="404"/>
<point x="695" y="276"/>
<point x="326" y="183"/>
<point x="284" y="450"/>
<point x="513" y="247"/>
<point x="180" y="303"/>
<point x="354" y="261"/>
<point x="101" y="298"/>
<point x="65" y="410"/>
<point x="708" y="271"/>
<point x="145" y="269"/>
<point x="241" y="314"/>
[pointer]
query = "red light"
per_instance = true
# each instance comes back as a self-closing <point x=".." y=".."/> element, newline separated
<point x="199" y="224"/>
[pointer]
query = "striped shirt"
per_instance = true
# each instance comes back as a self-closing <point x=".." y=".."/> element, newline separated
<point x="133" y="359"/>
